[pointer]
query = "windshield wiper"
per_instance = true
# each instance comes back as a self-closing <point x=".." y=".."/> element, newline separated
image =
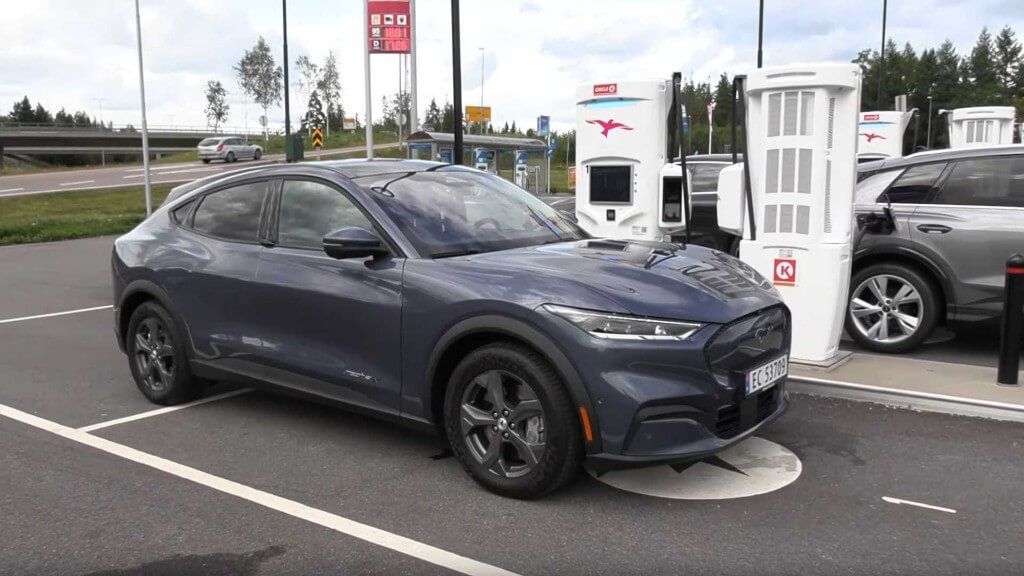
<point x="453" y="253"/>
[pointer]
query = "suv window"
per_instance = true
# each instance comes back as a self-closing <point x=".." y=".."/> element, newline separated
<point x="311" y="210"/>
<point x="705" y="176"/>
<point x="985" y="182"/>
<point x="232" y="213"/>
<point x="914" y="185"/>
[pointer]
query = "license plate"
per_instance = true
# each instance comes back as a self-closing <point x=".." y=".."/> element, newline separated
<point x="766" y="375"/>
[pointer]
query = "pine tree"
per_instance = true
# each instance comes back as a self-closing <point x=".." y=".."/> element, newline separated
<point x="21" y="111"/>
<point x="41" y="115"/>
<point x="1008" y="63"/>
<point x="432" y="118"/>
<point x="314" y="117"/>
<point x="448" y="118"/>
<point x="981" y="69"/>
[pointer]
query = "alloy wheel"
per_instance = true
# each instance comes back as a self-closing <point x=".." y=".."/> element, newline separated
<point x="886" y="308"/>
<point x="154" y="354"/>
<point x="502" y="423"/>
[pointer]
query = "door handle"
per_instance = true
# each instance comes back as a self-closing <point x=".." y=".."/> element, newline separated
<point x="934" y="228"/>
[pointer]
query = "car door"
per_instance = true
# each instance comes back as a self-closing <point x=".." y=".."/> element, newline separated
<point x="904" y="190"/>
<point x="213" y="291"/>
<point x="975" y="221"/>
<point x="330" y="327"/>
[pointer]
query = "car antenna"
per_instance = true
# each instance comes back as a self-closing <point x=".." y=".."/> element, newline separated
<point x="677" y="132"/>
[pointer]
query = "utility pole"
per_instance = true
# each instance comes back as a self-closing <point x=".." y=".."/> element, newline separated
<point x="482" y="56"/>
<point x="366" y="70"/>
<point x="145" y="129"/>
<point x="929" y="145"/>
<point x="760" y="33"/>
<point x="456" y="84"/>
<point x="287" y="108"/>
<point x="413" y="119"/>
<point x="881" y="59"/>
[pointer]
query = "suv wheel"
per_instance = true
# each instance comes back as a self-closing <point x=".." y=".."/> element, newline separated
<point x="511" y="423"/>
<point x="156" y="357"/>
<point x="257" y="154"/>
<point x="892" y="308"/>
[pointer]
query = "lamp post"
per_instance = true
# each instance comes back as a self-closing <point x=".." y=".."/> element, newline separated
<point x="456" y="85"/>
<point x="929" y="143"/>
<point x="760" y="32"/>
<point x="142" y="100"/>
<point x="483" y="55"/>
<point x="881" y="59"/>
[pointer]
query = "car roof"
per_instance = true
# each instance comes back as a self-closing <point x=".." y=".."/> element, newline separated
<point x="943" y="155"/>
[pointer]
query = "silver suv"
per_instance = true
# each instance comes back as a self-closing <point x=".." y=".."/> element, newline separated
<point x="958" y="215"/>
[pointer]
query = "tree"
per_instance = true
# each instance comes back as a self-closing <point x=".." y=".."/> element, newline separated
<point x="82" y="119"/>
<point x="259" y="78"/>
<point x="62" y="118"/>
<point x="513" y="129"/>
<point x="723" y="101"/>
<point x="448" y="118"/>
<point x="21" y="111"/>
<point x="980" y="67"/>
<point x="329" y="86"/>
<point x="216" y="105"/>
<point x="432" y="117"/>
<point x="314" y="117"/>
<point x="41" y="115"/>
<point x="1008" y="62"/>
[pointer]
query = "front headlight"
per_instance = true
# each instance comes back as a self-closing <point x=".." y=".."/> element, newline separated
<point x="620" y="327"/>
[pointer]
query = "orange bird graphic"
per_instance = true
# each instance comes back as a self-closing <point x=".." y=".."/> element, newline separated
<point x="608" y="125"/>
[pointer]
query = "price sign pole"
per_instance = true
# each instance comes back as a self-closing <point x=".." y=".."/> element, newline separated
<point x="388" y="31"/>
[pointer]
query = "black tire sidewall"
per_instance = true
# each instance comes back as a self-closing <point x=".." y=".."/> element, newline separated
<point x="257" y="155"/>
<point x="929" y="307"/>
<point x="184" y="387"/>
<point x="563" y="439"/>
<point x="230" y="157"/>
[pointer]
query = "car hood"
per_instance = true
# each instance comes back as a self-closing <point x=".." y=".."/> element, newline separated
<point x="654" y="279"/>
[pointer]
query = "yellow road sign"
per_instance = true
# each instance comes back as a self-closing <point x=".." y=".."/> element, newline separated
<point x="318" y="138"/>
<point x="478" y="113"/>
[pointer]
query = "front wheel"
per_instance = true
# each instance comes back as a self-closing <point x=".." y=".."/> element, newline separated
<point x="206" y="160"/>
<point x="892" y="308"/>
<point x="257" y="154"/>
<point x="511" y="423"/>
<point x="230" y="157"/>
<point x="156" y="357"/>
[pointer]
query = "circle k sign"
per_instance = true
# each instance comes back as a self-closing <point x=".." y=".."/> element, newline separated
<point x="784" y="272"/>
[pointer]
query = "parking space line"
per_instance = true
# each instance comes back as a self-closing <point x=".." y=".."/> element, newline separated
<point x="164" y="410"/>
<point x="918" y="504"/>
<point x="340" y="524"/>
<point x="52" y="314"/>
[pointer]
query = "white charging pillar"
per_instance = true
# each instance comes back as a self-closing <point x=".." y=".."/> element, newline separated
<point x="980" y="126"/>
<point x="801" y="147"/>
<point x="880" y="134"/>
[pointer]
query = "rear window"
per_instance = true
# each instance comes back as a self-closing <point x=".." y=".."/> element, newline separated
<point x="232" y="213"/>
<point x="611" y="184"/>
<point x="209" y="141"/>
<point x="985" y="182"/>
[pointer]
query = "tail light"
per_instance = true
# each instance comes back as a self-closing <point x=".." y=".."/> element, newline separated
<point x="220" y="148"/>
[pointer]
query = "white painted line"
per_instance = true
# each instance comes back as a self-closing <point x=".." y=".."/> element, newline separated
<point x="164" y="410"/>
<point x="76" y="183"/>
<point x="918" y="504"/>
<point x="51" y="315"/>
<point x="11" y="190"/>
<point x="340" y="524"/>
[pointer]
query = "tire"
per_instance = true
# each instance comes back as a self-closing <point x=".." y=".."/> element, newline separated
<point x="230" y="157"/>
<point x="540" y="421"/>
<point x="868" y="318"/>
<point x="168" y="380"/>
<point x="206" y="160"/>
<point x="257" y="154"/>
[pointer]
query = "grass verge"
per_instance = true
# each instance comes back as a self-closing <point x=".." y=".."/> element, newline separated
<point x="75" y="214"/>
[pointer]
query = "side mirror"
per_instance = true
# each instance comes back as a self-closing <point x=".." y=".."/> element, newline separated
<point x="353" y="242"/>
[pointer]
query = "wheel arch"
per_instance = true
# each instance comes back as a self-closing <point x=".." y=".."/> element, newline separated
<point x="474" y="333"/>
<point x="927" y="267"/>
<point x="134" y="295"/>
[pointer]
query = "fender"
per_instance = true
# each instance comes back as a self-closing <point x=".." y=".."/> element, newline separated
<point x="523" y="331"/>
<point x="154" y="291"/>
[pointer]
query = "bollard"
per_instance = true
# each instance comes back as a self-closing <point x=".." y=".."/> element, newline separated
<point x="1013" y="321"/>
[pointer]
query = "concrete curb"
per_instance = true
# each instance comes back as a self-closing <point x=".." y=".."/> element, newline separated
<point x="915" y="400"/>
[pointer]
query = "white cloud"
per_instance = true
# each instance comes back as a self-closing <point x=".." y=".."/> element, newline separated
<point x="69" y="52"/>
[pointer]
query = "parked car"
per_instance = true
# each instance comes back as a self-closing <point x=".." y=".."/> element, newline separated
<point x="704" y="229"/>
<point x="448" y="299"/>
<point x="959" y="214"/>
<point x="228" y="149"/>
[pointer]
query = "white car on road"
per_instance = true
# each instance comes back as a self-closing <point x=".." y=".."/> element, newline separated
<point x="228" y="149"/>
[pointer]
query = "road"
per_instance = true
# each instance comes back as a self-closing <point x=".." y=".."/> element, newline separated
<point x="131" y="175"/>
<point x="93" y="480"/>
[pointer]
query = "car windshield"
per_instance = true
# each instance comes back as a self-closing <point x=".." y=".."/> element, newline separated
<point x="452" y="211"/>
<point x="209" y="142"/>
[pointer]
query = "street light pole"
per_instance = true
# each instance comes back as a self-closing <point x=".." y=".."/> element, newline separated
<point x="456" y="84"/>
<point x="929" y="122"/>
<point x="287" y="108"/>
<point x="881" y="60"/>
<point x="366" y="70"/>
<point x="482" y="56"/>
<point x="760" y="32"/>
<point x="142" y="100"/>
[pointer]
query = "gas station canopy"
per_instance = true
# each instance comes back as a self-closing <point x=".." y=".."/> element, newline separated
<point x="485" y="141"/>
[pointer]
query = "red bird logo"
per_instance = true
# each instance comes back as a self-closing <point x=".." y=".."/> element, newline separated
<point x="608" y="125"/>
<point x="871" y="136"/>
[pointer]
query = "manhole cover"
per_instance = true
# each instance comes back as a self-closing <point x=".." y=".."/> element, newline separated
<point x="754" y="466"/>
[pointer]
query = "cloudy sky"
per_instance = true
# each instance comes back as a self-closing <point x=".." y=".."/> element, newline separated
<point x="72" y="53"/>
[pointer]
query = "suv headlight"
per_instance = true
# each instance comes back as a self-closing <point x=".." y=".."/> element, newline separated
<point x="621" y="327"/>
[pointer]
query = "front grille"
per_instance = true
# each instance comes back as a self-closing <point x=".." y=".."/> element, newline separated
<point x="748" y="342"/>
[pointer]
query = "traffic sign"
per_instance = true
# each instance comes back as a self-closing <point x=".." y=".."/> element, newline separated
<point x="389" y="26"/>
<point x="543" y="125"/>
<point x="318" y="138"/>
<point x="478" y="113"/>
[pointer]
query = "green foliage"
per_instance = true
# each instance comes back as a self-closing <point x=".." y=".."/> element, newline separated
<point x="216" y="105"/>
<point x="259" y="77"/>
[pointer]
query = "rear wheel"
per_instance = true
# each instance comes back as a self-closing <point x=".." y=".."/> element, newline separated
<point x="156" y="357"/>
<point x="892" y="308"/>
<point x="206" y="160"/>
<point x="257" y="154"/>
<point x="511" y="423"/>
<point x="230" y="158"/>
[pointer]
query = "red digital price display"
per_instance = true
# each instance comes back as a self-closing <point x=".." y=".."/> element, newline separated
<point x="389" y="26"/>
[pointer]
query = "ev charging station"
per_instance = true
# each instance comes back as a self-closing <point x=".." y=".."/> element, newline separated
<point x="880" y="134"/>
<point x="801" y="131"/>
<point x="522" y="165"/>
<point x="980" y="126"/>
<point x="484" y="159"/>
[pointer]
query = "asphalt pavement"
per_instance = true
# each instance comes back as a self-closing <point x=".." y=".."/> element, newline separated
<point x="132" y="175"/>
<point x="94" y="480"/>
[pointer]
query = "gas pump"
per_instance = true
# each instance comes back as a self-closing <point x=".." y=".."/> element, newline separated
<point x="792" y="201"/>
<point x="880" y="134"/>
<point x="521" y="166"/>
<point x="980" y="126"/>
<point x="483" y="159"/>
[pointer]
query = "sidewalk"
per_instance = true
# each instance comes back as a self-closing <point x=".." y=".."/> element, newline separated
<point x="917" y="384"/>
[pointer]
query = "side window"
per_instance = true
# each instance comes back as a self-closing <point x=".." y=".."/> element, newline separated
<point x="914" y="185"/>
<point x="180" y="214"/>
<point x="311" y="210"/>
<point x="985" y="182"/>
<point x="705" y="177"/>
<point x="232" y="213"/>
